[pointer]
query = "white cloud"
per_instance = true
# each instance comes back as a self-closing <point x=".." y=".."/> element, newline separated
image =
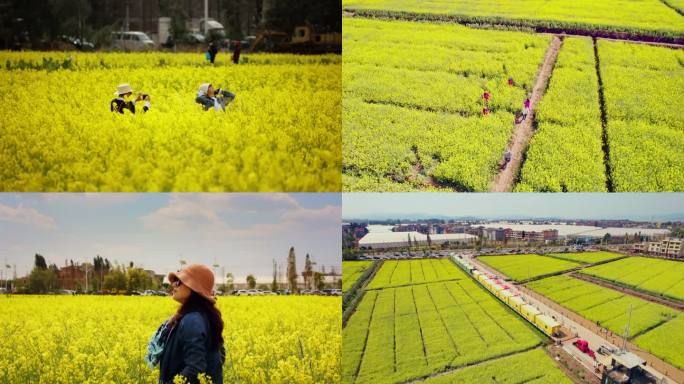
<point x="203" y="213"/>
<point x="27" y="216"/>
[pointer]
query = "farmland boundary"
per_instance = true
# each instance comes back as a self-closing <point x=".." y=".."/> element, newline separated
<point x="667" y="4"/>
<point x="450" y="370"/>
<point x="522" y="25"/>
<point x="352" y="298"/>
<point x="413" y="284"/>
<point x="522" y="133"/>
<point x="365" y="341"/>
<point x="630" y="291"/>
<point x="604" y="122"/>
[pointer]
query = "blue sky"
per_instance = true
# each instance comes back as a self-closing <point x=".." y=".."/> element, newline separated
<point x="641" y="206"/>
<point x="242" y="232"/>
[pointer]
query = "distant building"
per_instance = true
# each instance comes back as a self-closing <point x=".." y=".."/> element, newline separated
<point x="385" y="240"/>
<point x="72" y="277"/>
<point x="668" y="247"/>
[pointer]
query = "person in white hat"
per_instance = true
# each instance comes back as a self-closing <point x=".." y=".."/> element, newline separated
<point x="210" y="97"/>
<point x="121" y="102"/>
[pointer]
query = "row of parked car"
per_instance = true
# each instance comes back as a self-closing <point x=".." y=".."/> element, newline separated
<point x="258" y="292"/>
<point x="407" y="256"/>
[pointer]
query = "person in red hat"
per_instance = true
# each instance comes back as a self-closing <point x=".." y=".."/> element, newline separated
<point x="191" y="341"/>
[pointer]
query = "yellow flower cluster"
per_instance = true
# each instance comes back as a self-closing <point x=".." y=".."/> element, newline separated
<point x="282" y="132"/>
<point x="88" y="339"/>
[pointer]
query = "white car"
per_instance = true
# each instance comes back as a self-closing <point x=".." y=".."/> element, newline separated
<point x="249" y="292"/>
<point x="131" y="41"/>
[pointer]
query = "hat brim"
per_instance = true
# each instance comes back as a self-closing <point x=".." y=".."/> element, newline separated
<point x="175" y="276"/>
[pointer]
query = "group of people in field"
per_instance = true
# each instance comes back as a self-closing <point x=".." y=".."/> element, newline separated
<point x="525" y="110"/>
<point x="519" y="118"/>
<point x="208" y="96"/>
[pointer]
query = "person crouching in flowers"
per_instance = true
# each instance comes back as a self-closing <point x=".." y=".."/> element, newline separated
<point x="122" y="101"/>
<point x="210" y="97"/>
<point x="190" y="344"/>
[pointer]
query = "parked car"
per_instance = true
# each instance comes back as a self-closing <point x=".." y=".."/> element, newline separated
<point x="67" y="292"/>
<point x="131" y="41"/>
<point x="77" y="43"/>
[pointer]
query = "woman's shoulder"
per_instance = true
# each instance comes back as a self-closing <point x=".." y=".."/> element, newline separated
<point x="193" y="319"/>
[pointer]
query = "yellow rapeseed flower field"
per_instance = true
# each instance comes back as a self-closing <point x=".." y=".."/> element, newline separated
<point x="282" y="132"/>
<point x="103" y="340"/>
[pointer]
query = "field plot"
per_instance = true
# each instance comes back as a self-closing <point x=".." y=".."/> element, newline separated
<point x="402" y="333"/>
<point x="643" y="96"/>
<point x="414" y="121"/>
<point x="522" y="267"/>
<point x="587" y="257"/>
<point x="282" y="132"/>
<point x="666" y="341"/>
<point x="656" y="276"/>
<point x="394" y="273"/>
<point x="640" y="17"/>
<point x="103" y="339"/>
<point x="352" y="271"/>
<point x="511" y="369"/>
<point x="566" y="152"/>
<point x="610" y="309"/>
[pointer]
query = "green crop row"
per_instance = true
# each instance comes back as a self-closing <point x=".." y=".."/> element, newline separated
<point x="415" y="331"/>
<point x="510" y="369"/>
<point x="634" y="17"/>
<point x="351" y="271"/>
<point x="666" y="341"/>
<point x="662" y="277"/>
<point x="395" y="273"/>
<point x="565" y="153"/>
<point x="642" y="87"/>
<point x="412" y="102"/>
<point x="587" y="257"/>
<point x="522" y="267"/>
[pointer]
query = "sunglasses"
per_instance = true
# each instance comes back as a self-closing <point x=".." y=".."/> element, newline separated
<point x="176" y="283"/>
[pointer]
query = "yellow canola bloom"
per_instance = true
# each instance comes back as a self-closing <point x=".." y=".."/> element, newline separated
<point x="282" y="132"/>
<point x="88" y="339"/>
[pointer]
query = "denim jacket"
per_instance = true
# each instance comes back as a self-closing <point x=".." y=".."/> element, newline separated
<point x="187" y="352"/>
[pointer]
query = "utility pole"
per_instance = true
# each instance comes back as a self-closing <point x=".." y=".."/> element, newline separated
<point x="206" y="16"/>
<point x="86" y="270"/>
<point x="626" y="335"/>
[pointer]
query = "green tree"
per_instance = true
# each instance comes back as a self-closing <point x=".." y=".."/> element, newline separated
<point x="40" y="262"/>
<point x="138" y="279"/>
<point x="229" y="286"/>
<point x="318" y="280"/>
<point x="251" y="281"/>
<point x="115" y="280"/>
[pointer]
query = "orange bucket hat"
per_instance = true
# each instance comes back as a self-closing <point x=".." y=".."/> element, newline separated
<point x="197" y="277"/>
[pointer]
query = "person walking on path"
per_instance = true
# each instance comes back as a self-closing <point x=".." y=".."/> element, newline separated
<point x="213" y="98"/>
<point x="526" y="108"/>
<point x="122" y="100"/>
<point x="236" y="52"/>
<point x="510" y="81"/>
<point x="190" y="344"/>
<point x="485" y="96"/>
<point x="212" y="52"/>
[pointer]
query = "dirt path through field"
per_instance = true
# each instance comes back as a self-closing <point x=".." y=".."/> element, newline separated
<point x="631" y="292"/>
<point x="522" y="133"/>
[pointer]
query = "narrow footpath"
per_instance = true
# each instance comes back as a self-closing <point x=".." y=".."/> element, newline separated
<point x="522" y="133"/>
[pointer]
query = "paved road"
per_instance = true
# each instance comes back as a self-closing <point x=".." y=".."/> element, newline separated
<point x="594" y="340"/>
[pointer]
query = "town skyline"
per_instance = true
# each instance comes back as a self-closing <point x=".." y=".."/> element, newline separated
<point x="571" y="206"/>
